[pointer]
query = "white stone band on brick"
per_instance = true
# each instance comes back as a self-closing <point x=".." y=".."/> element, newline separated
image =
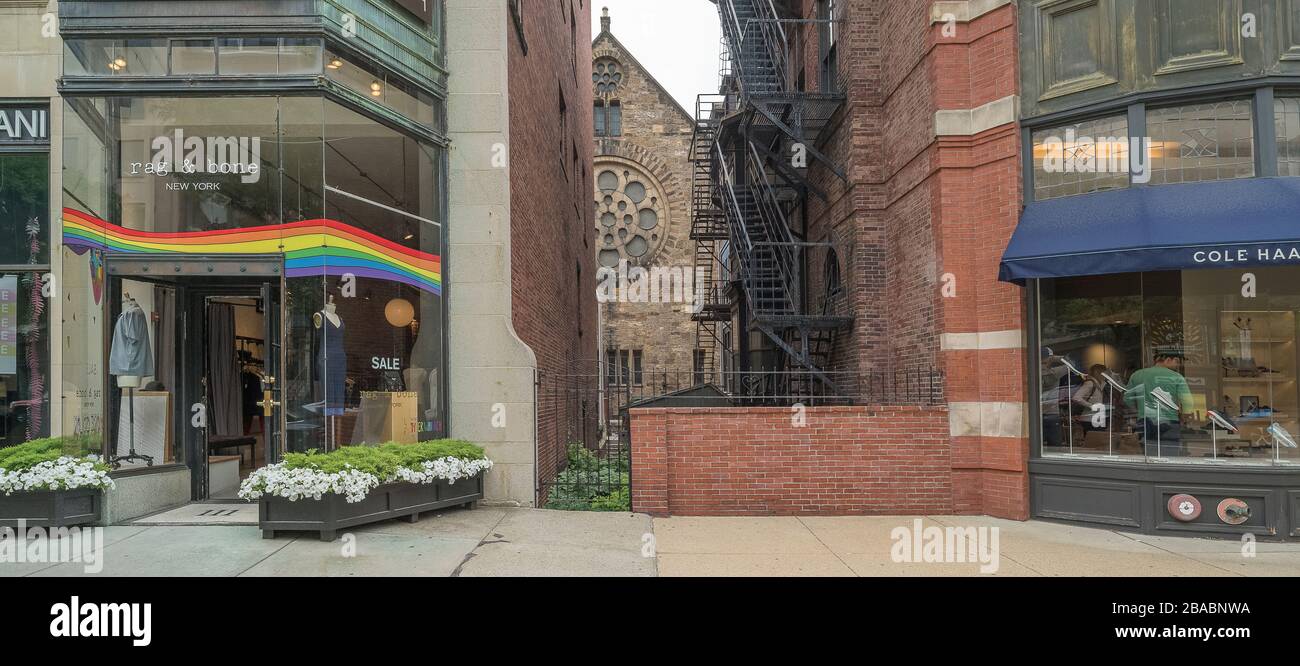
<point x="968" y="122"/>
<point x="987" y="419"/>
<point x="965" y="11"/>
<point x="1010" y="339"/>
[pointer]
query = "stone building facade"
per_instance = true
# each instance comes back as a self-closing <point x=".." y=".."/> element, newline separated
<point x="643" y="217"/>
<point x="494" y="94"/>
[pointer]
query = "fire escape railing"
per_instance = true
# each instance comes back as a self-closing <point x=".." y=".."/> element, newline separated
<point x="775" y="227"/>
<point x="758" y="45"/>
<point x="746" y="186"/>
<point x="773" y="37"/>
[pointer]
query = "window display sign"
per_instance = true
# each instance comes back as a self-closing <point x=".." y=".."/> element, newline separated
<point x="24" y="125"/>
<point x="9" y="325"/>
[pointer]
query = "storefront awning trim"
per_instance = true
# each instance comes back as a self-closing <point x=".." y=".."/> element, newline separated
<point x="1249" y="222"/>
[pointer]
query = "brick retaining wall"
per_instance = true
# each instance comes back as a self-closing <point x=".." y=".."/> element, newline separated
<point x="757" y="461"/>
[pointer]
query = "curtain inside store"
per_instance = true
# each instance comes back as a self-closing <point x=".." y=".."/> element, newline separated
<point x="226" y="419"/>
<point x="165" y="338"/>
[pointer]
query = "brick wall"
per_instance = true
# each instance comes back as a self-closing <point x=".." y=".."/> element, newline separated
<point x="550" y="194"/>
<point x="976" y="198"/>
<point x="918" y="206"/>
<point x="756" y="461"/>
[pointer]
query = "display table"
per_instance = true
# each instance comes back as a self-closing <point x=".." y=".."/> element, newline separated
<point x="389" y="416"/>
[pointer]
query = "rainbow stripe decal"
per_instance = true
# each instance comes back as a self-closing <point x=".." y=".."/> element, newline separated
<point x="310" y="248"/>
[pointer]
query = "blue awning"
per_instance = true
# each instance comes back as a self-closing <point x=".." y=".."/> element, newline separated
<point x="1222" y="224"/>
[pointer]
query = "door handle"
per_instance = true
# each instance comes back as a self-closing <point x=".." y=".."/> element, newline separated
<point x="266" y="403"/>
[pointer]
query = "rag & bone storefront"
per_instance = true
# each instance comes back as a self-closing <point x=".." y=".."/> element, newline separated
<point x="252" y="237"/>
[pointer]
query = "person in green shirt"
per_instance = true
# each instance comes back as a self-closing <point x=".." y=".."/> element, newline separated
<point x="1161" y="425"/>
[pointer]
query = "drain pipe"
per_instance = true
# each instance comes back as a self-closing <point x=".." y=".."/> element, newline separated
<point x="537" y="475"/>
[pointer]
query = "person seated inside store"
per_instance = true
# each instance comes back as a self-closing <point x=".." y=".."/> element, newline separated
<point x="1052" y="376"/>
<point x="1161" y="427"/>
<point x="1092" y="391"/>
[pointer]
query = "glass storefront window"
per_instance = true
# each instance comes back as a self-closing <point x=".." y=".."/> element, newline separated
<point x="1286" y="110"/>
<point x="1201" y="142"/>
<point x="382" y="374"/>
<point x="1110" y="344"/>
<point x="24" y="208"/>
<point x="249" y="55"/>
<point x="389" y="91"/>
<point x="194" y="56"/>
<point x="352" y="203"/>
<point x="1089" y="156"/>
<point x="24" y="359"/>
<point x="300" y="55"/>
<point x="115" y="57"/>
<point x="24" y="305"/>
<point x="144" y="57"/>
<point x="180" y="57"/>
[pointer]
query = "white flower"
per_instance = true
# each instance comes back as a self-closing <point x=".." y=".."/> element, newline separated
<point x="295" y="484"/>
<point x="66" y="473"/>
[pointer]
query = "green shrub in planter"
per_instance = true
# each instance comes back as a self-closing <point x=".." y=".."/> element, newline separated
<point x="53" y="463"/>
<point x="353" y="471"/>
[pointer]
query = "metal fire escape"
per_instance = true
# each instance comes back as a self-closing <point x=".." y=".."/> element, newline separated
<point x="752" y="146"/>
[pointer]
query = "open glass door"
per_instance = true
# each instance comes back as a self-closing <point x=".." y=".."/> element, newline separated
<point x="270" y="404"/>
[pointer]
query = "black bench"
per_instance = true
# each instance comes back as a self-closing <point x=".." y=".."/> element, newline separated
<point x="220" y="443"/>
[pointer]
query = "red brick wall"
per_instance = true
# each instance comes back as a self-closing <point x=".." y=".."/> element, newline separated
<point x="976" y="193"/>
<point x="551" y="224"/>
<point x="756" y="461"/>
<point x="918" y="206"/>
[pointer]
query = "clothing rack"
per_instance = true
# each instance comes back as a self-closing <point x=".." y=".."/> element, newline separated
<point x="248" y="350"/>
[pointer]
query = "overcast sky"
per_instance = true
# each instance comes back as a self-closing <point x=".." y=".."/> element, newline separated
<point x="677" y="40"/>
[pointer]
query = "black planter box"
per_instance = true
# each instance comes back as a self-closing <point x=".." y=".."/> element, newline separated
<point x="331" y="513"/>
<point x="51" y="508"/>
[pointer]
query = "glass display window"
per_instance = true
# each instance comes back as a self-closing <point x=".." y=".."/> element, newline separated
<point x="1188" y="367"/>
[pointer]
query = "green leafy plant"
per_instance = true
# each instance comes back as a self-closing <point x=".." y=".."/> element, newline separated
<point x="29" y="454"/>
<point x="384" y="460"/>
<point x="354" y="471"/>
<point x="591" y="483"/>
<point x="53" y="463"/>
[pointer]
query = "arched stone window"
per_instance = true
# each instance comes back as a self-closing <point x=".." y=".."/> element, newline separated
<point x="631" y="212"/>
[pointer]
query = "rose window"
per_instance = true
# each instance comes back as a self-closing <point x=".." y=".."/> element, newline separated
<point x="606" y="75"/>
<point x="629" y="215"/>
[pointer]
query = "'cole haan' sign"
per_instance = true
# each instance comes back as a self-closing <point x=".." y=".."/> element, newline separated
<point x="24" y="125"/>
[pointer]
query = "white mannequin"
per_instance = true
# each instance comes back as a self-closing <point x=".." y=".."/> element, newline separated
<point x="330" y="312"/>
<point x="129" y="381"/>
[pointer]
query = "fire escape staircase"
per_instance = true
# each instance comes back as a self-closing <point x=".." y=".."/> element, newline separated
<point x="709" y="231"/>
<point x="774" y="114"/>
<point x="745" y="185"/>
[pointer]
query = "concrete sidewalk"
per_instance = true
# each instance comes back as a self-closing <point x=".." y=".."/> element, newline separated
<point x="477" y="542"/>
<point x="539" y="542"/>
<point x="862" y="545"/>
